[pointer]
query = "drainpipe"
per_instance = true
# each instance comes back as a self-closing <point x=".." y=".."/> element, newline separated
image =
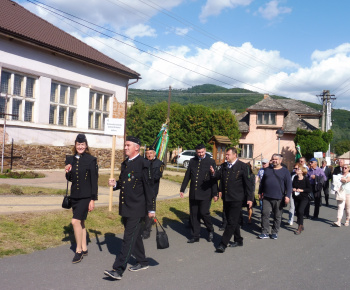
<point x="126" y="108"/>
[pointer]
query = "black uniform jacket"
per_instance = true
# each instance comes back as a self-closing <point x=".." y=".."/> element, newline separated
<point x="235" y="183"/>
<point x="84" y="176"/>
<point x="155" y="173"/>
<point x="136" y="196"/>
<point x="203" y="186"/>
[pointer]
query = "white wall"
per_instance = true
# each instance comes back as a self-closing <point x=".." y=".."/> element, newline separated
<point x="47" y="67"/>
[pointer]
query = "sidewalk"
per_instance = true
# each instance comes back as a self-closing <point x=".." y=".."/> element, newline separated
<point x="56" y="179"/>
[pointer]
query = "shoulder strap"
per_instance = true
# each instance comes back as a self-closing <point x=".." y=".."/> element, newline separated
<point x="159" y="224"/>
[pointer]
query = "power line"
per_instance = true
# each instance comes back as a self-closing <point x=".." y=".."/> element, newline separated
<point x="211" y="36"/>
<point x="191" y="70"/>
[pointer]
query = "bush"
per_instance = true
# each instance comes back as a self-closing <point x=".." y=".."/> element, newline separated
<point x="16" y="190"/>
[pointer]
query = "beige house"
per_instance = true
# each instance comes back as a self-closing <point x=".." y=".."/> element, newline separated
<point x="259" y="124"/>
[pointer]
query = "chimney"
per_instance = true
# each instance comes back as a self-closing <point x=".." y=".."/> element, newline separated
<point x="266" y="96"/>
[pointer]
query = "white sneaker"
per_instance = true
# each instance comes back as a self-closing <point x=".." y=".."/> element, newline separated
<point x="290" y="223"/>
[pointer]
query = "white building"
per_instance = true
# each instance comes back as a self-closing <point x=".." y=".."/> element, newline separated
<point x="56" y="86"/>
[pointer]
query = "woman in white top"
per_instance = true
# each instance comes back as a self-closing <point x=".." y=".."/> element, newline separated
<point x="345" y="181"/>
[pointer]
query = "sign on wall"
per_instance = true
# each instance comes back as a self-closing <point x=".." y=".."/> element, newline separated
<point x="114" y="127"/>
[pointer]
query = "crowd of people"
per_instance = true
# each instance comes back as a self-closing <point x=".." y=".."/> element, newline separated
<point x="233" y="181"/>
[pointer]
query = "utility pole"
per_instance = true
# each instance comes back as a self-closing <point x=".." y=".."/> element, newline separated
<point x="326" y="98"/>
<point x="327" y="117"/>
<point x="167" y="121"/>
<point x="169" y="99"/>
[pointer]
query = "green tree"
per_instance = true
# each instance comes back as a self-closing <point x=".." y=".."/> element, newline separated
<point x="312" y="141"/>
<point x="342" y="147"/>
<point x="135" y="119"/>
<point x="189" y="125"/>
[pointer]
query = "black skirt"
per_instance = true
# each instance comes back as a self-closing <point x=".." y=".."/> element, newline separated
<point x="80" y="208"/>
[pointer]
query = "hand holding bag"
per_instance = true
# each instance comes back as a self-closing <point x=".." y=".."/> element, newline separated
<point x="161" y="237"/>
<point x="340" y="194"/>
<point x="66" y="203"/>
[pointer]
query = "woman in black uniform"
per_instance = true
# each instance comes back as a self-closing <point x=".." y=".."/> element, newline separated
<point x="301" y="189"/>
<point x="82" y="170"/>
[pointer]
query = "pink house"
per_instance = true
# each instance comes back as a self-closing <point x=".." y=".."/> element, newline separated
<point x="259" y="125"/>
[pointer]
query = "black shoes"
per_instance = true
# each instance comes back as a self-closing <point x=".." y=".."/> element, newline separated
<point x="138" y="267"/>
<point x="235" y="244"/>
<point x="85" y="253"/>
<point x="77" y="257"/>
<point x="220" y="249"/>
<point x="193" y="240"/>
<point x="211" y="236"/>
<point x="113" y="274"/>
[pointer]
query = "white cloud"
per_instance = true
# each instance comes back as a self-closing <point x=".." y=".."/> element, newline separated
<point x="318" y="55"/>
<point x="140" y="30"/>
<point x="272" y="10"/>
<point x="182" y="31"/>
<point x="116" y="15"/>
<point x="214" y="7"/>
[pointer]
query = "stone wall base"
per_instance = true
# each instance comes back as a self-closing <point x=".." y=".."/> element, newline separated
<point x="30" y="157"/>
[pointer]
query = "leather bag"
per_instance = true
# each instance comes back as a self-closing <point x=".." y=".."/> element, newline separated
<point x="340" y="194"/>
<point x="67" y="203"/>
<point x="161" y="237"/>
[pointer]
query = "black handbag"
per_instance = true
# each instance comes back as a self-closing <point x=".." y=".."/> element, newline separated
<point x="67" y="203"/>
<point x="311" y="196"/>
<point x="161" y="237"/>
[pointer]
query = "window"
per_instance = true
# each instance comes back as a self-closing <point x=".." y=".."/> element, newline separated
<point x="246" y="151"/>
<point x="63" y="102"/>
<point x="265" y="118"/>
<point x="20" y="91"/>
<point x="98" y="110"/>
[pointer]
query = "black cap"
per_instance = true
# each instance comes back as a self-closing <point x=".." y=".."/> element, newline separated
<point x="81" y="138"/>
<point x="149" y="148"/>
<point x="133" y="139"/>
<point x="200" y="146"/>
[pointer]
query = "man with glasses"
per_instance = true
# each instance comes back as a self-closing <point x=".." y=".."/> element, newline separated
<point x="317" y="179"/>
<point x="276" y="185"/>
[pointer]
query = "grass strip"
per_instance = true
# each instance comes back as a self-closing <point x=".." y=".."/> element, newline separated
<point x="23" y="233"/>
<point x="6" y="189"/>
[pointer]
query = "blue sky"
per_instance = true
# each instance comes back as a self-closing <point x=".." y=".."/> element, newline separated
<point x="293" y="48"/>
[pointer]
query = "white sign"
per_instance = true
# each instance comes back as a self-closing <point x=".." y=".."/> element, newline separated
<point x="114" y="127"/>
<point x="318" y="154"/>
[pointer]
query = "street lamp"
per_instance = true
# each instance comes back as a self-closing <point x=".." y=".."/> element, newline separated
<point x="279" y="133"/>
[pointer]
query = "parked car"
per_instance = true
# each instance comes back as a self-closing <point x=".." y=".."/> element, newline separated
<point x="184" y="157"/>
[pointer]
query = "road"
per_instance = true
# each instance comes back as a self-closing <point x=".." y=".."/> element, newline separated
<point x="316" y="259"/>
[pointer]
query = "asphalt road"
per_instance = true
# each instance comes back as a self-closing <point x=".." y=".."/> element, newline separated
<point x="316" y="259"/>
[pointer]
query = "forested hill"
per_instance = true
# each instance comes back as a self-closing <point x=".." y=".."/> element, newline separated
<point x="233" y="99"/>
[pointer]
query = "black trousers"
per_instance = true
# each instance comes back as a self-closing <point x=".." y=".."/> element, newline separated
<point x="317" y="202"/>
<point x="200" y="209"/>
<point x="224" y="218"/>
<point x="326" y="191"/>
<point x="300" y="205"/>
<point x="233" y="212"/>
<point x="132" y="244"/>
